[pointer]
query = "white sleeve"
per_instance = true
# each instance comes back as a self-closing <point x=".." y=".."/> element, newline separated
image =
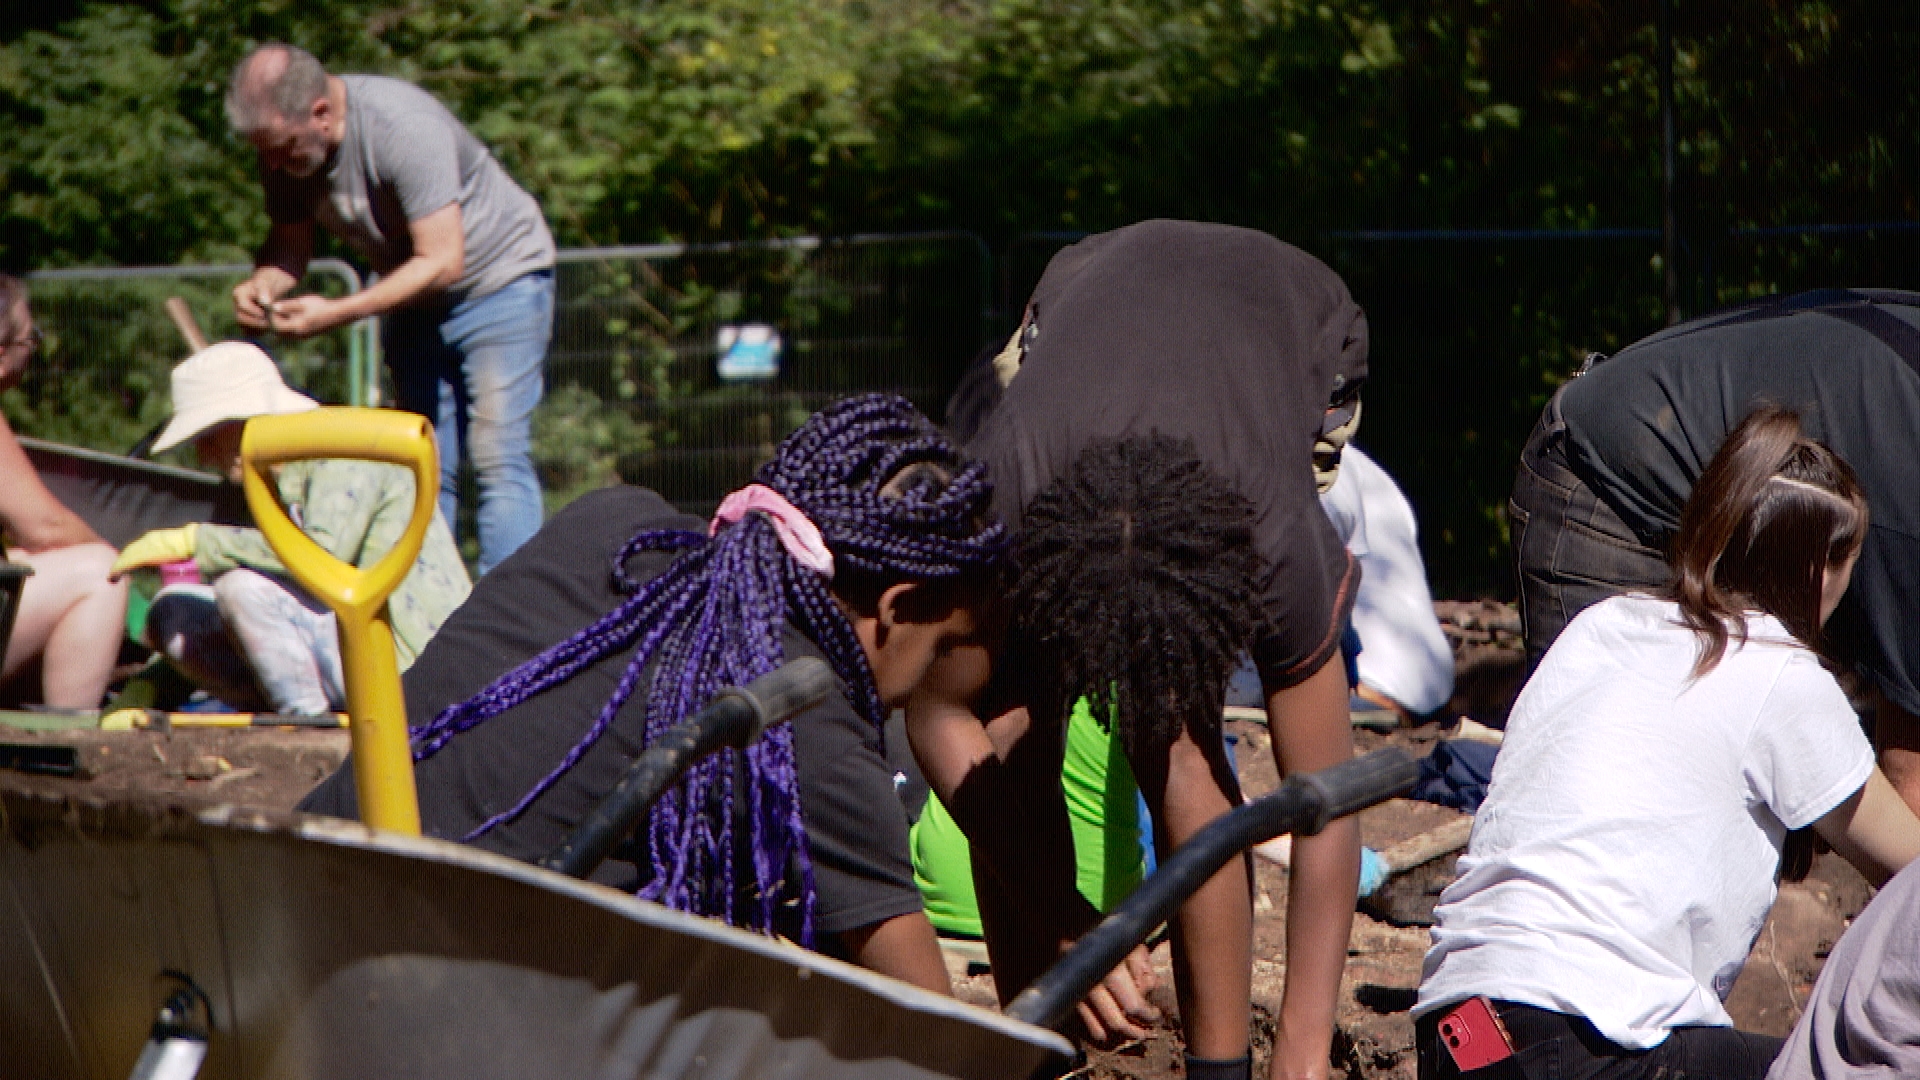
<point x="1344" y="509"/>
<point x="1403" y="652"/>
<point x="1807" y="754"/>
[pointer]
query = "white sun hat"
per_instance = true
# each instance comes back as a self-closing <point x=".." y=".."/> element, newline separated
<point x="233" y="380"/>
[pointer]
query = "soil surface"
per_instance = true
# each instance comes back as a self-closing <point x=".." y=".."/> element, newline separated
<point x="274" y="767"/>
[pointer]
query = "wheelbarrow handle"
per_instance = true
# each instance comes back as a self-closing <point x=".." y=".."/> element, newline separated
<point x="735" y="717"/>
<point x="1304" y="804"/>
<point x="382" y="759"/>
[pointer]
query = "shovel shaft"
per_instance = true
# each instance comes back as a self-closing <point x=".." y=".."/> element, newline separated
<point x="382" y="756"/>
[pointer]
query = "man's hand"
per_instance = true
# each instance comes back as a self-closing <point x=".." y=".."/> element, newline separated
<point x="157" y="548"/>
<point x="253" y="298"/>
<point x="305" y="316"/>
<point x="1117" y="1006"/>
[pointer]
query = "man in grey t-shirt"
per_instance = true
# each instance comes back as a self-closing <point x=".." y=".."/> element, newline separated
<point x="464" y="259"/>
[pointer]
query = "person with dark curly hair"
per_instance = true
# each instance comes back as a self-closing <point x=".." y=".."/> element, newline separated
<point x="1171" y="394"/>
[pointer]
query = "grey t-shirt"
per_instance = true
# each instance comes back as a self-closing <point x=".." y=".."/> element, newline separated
<point x="405" y="156"/>
<point x="1863" y="1019"/>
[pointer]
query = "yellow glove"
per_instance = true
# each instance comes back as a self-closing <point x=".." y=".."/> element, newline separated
<point x="157" y="547"/>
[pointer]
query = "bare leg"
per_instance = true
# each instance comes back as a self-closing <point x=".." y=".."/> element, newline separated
<point x="70" y="612"/>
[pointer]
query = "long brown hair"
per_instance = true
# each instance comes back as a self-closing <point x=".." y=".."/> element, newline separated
<point x="1773" y="510"/>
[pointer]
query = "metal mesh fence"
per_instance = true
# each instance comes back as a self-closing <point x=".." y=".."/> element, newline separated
<point x="638" y="385"/>
<point x="645" y="380"/>
<point x="1468" y="338"/>
<point x="101" y="375"/>
<point x="1472" y="331"/>
<point x="1752" y="263"/>
<point x="644" y="375"/>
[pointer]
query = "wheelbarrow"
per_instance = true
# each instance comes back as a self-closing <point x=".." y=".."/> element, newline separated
<point x="232" y="944"/>
<point x="320" y="948"/>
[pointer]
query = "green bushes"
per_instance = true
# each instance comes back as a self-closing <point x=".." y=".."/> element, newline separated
<point x="725" y="120"/>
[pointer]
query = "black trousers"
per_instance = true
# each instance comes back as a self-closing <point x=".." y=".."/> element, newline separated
<point x="1554" y="1046"/>
<point x="1570" y="549"/>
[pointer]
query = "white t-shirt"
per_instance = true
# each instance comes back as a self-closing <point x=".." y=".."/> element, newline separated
<point x="1624" y="860"/>
<point x="1403" y="653"/>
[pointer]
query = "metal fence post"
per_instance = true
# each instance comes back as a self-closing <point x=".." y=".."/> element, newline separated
<point x="363" y="339"/>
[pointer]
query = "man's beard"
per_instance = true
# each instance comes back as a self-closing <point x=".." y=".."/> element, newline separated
<point x="300" y="166"/>
<point x="308" y="158"/>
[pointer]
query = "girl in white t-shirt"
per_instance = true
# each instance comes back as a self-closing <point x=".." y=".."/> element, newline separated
<point x="1626" y="856"/>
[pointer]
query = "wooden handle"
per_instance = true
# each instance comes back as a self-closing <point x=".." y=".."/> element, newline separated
<point x="183" y="321"/>
<point x="1429" y="845"/>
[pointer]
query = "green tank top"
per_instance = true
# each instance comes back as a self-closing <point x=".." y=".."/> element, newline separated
<point x="1101" y="806"/>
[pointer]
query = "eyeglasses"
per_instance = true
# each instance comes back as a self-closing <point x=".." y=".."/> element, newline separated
<point x="32" y="341"/>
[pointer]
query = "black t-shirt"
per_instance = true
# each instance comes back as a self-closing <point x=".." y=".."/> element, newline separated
<point x="1221" y="335"/>
<point x="1642" y="425"/>
<point x="559" y="583"/>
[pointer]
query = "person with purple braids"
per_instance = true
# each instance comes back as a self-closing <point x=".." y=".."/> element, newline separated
<point x="867" y="540"/>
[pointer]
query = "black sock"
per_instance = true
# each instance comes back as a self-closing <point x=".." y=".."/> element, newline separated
<point x="1240" y="1068"/>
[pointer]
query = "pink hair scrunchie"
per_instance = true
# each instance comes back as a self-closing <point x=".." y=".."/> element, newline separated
<point x="798" y="534"/>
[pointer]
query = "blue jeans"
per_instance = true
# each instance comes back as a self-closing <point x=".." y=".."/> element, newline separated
<point x="477" y="370"/>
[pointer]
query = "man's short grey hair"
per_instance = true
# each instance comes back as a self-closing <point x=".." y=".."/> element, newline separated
<point x="252" y="100"/>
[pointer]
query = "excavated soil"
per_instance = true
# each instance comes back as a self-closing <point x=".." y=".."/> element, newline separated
<point x="273" y="768"/>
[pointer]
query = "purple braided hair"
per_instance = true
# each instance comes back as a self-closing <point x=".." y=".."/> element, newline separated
<point x="714" y="618"/>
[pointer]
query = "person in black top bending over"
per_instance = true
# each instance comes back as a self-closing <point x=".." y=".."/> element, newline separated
<point x="1155" y="453"/>
<point x="867" y="541"/>
<point x="1597" y="497"/>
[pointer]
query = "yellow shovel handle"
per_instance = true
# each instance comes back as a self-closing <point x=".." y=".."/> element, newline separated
<point x="382" y="757"/>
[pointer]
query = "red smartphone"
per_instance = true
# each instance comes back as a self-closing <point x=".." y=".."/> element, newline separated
<point x="1474" y="1036"/>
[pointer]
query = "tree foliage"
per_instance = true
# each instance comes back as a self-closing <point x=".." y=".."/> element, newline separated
<point x="731" y="118"/>
<point x="641" y="120"/>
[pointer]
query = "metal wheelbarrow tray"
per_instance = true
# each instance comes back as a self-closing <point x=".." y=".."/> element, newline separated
<point x="326" y="949"/>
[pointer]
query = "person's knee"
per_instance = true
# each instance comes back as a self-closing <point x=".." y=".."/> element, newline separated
<point x="240" y="588"/>
<point x="83" y="567"/>
<point x="249" y="599"/>
<point x="64" y="580"/>
<point x="94" y="560"/>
